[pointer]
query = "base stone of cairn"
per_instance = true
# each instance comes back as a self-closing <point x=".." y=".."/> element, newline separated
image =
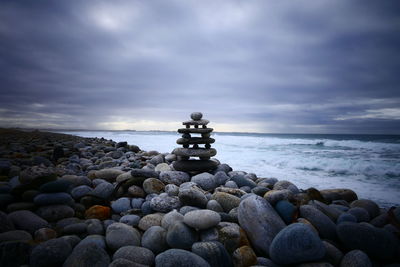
<point x="191" y="148"/>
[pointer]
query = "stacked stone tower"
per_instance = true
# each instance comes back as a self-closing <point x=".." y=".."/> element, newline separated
<point x="191" y="146"/>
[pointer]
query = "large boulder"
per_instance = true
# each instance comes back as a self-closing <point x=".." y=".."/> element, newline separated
<point x="296" y="243"/>
<point x="260" y="221"/>
<point x="376" y="242"/>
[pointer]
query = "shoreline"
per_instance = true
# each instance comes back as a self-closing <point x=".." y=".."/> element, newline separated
<point x="113" y="196"/>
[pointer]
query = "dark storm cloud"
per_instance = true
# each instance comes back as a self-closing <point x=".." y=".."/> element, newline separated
<point x="248" y="65"/>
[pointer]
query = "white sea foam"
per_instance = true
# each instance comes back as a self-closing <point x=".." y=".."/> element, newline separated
<point x="370" y="168"/>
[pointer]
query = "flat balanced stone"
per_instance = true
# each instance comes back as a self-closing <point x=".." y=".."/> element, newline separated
<point x="195" y="130"/>
<point x="195" y="165"/>
<point x="198" y="122"/>
<point x="195" y="152"/>
<point x="195" y="140"/>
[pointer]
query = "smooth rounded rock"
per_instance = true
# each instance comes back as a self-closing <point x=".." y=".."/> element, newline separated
<point x="53" y="213"/>
<point x="274" y="196"/>
<point x="170" y="218"/>
<point x="165" y="203"/>
<point x="125" y="263"/>
<point x="108" y="174"/>
<point x="136" y="191"/>
<point x="242" y="181"/>
<point x="356" y="258"/>
<point x="260" y="222"/>
<point x="196" y="165"/>
<point x="346" y="217"/>
<point x="50" y="253"/>
<point x="120" y="235"/>
<point x="196" y="116"/>
<point x="153" y="185"/>
<point x="202" y="219"/>
<point x="55" y="186"/>
<point x="329" y="211"/>
<point x="296" y="243"/>
<point x="162" y="167"/>
<point x="15" y="235"/>
<point x="88" y="255"/>
<point x="135" y="254"/>
<point x="130" y="219"/>
<point x="214" y="205"/>
<point x="205" y="180"/>
<point x="179" y="257"/>
<point x="227" y="201"/>
<point x="339" y="194"/>
<point x="221" y="178"/>
<point x="121" y="205"/>
<point x="333" y="255"/>
<point x="193" y="196"/>
<point x="213" y="252"/>
<point x="80" y="191"/>
<point x="370" y="206"/>
<point x="361" y="214"/>
<point x="172" y="190"/>
<point x="325" y="226"/>
<point x="103" y="190"/>
<point x="97" y="240"/>
<point x="181" y="236"/>
<point x="286" y="210"/>
<point x="27" y="220"/>
<point x="283" y="184"/>
<point x="98" y="212"/>
<point x="376" y="242"/>
<point x="52" y="199"/>
<point x="174" y="177"/>
<point x="150" y="220"/>
<point x="244" y="256"/>
<point x="155" y="239"/>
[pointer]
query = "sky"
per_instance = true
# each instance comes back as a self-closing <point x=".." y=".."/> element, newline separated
<point x="249" y="66"/>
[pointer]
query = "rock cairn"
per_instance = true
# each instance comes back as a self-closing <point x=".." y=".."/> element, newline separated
<point x="191" y="146"/>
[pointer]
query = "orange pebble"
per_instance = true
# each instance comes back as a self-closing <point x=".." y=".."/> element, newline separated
<point x="98" y="212"/>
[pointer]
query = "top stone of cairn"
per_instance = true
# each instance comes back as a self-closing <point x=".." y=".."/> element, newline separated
<point x="196" y="116"/>
<point x="196" y="120"/>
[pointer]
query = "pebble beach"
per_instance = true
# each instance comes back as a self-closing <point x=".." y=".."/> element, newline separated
<point x="73" y="201"/>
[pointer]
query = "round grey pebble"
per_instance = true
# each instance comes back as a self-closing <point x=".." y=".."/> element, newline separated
<point x="130" y="219"/>
<point x="154" y="239"/>
<point x="196" y="116"/>
<point x="181" y="258"/>
<point x="356" y="258"/>
<point x="181" y="236"/>
<point x="202" y="219"/>
<point x="136" y="254"/>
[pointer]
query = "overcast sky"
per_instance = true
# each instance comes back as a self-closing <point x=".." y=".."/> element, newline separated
<point x="257" y="66"/>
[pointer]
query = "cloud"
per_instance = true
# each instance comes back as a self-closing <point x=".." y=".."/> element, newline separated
<point x="384" y="113"/>
<point x="247" y="65"/>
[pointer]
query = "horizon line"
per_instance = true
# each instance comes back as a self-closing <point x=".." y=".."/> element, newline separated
<point x="166" y="131"/>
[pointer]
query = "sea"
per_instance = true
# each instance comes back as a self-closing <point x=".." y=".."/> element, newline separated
<point x="367" y="164"/>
